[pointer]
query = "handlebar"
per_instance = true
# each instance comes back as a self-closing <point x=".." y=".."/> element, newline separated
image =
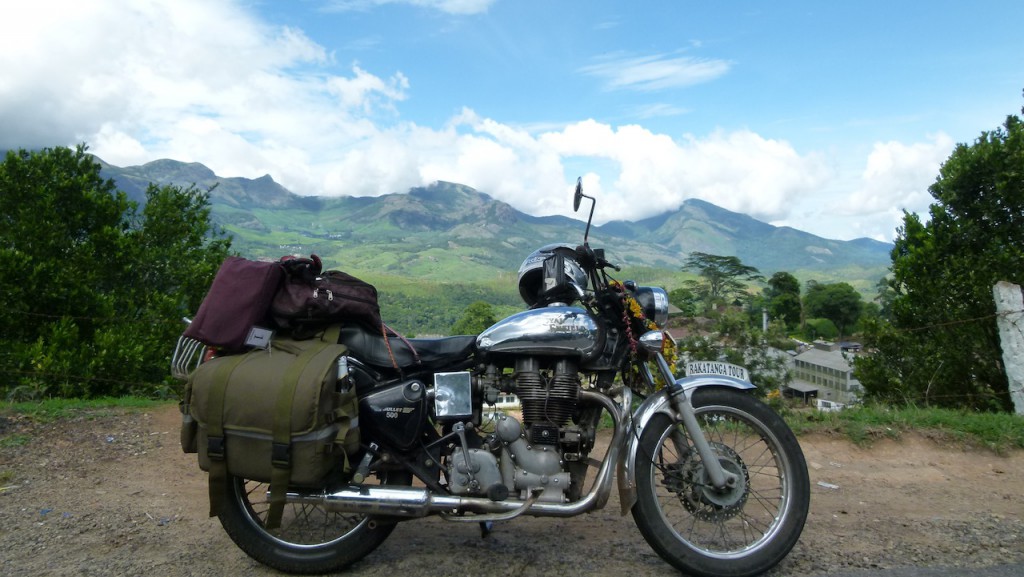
<point x="593" y="258"/>
<point x="603" y="264"/>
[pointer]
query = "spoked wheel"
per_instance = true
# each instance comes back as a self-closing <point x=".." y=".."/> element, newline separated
<point x="311" y="539"/>
<point x="739" y="531"/>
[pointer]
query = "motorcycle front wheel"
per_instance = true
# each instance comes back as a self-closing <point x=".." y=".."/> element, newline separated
<point x="740" y="531"/>
<point x="310" y="539"/>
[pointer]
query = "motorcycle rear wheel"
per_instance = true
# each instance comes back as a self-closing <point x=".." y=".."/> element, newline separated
<point x="739" y="532"/>
<point x="310" y="540"/>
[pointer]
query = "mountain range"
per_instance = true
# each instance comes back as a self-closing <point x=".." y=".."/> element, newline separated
<point x="450" y="232"/>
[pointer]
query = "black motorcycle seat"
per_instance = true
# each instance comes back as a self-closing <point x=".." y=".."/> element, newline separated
<point x="429" y="354"/>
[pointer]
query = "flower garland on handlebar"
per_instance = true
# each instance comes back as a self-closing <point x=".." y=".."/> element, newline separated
<point x="632" y="313"/>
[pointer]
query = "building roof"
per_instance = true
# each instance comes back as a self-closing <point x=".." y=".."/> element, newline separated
<point x="802" y="386"/>
<point x="829" y="359"/>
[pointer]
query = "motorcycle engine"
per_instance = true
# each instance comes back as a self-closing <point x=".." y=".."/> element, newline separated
<point x="536" y="455"/>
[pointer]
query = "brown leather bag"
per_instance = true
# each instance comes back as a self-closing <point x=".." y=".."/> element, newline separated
<point x="239" y="299"/>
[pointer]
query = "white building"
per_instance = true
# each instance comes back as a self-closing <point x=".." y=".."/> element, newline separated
<point x="823" y="372"/>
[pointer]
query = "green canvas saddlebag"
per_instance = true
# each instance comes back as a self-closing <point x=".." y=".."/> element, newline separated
<point x="279" y="415"/>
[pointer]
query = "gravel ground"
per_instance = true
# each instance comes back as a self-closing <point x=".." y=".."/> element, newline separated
<point x="110" y="493"/>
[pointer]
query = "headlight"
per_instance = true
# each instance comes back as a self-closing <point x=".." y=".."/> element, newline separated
<point x="654" y="301"/>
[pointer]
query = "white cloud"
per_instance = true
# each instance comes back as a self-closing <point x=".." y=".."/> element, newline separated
<point x="656" y="110"/>
<point x="169" y="79"/>
<point x="745" y="172"/>
<point x="636" y="173"/>
<point x="656" y="72"/>
<point x="459" y="7"/>
<point x="897" y="176"/>
<point x="359" y="92"/>
<point x="89" y="62"/>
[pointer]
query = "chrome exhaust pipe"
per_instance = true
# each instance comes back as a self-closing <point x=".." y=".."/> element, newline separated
<point x="412" y="502"/>
<point x="382" y="500"/>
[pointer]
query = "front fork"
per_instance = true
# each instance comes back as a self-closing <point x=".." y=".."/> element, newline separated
<point x="674" y="400"/>
<point x="680" y="403"/>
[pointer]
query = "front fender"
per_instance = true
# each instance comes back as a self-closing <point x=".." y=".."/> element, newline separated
<point x="659" y="403"/>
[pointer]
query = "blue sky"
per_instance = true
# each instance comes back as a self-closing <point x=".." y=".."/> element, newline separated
<point x="831" y="117"/>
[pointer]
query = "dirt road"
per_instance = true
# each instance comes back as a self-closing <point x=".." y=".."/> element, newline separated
<point x="112" y="494"/>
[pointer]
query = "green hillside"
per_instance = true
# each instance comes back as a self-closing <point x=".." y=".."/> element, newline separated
<point x="433" y="250"/>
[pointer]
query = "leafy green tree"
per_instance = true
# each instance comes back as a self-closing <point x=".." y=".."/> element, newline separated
<point x="721" y="278"/>
<point x="177" y="247"/>
<point x="56" y="215"/>
<point x="478" y="316"/>
<point x="174" y="253"/>
<point x="942" y="346"/>
<point x="684" y="300"/>
<point x="884" y="295"/>
<point x="783" y="296"/>
<point x="820" y="329"/>
<point x="872" y="311"/>
<point x="92" y="289"/>
<point x="837" y="302"/>
<point x="782" y="283"/>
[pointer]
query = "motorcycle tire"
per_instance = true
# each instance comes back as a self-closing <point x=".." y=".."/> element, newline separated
<point x="310" y="539"/>
<point x="739" y="532"/>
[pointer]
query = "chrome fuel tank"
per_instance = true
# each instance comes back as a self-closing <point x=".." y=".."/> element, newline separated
<point x="550" y="331"/>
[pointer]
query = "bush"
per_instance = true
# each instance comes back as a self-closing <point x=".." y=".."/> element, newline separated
<point x="91" y="286"/>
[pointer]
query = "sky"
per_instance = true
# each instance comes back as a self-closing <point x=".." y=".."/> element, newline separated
<point x="831" y="117"/>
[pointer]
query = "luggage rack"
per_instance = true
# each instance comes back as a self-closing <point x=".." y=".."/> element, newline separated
<point x="188" y="355"/>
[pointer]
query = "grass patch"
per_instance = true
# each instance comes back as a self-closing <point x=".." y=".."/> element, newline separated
<point x="16" y="440"/>
<point x="52" y="409"/>
<point x="862" y="425"/>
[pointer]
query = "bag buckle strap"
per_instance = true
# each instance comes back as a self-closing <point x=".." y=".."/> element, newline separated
<point x="215" y="448"/>
<point x="281" y="455"/>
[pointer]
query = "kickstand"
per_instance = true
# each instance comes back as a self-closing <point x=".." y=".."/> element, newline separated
<point x="485" y="528"/>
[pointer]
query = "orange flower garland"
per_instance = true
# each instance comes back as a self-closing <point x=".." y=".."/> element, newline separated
<point x="634" y="310"/>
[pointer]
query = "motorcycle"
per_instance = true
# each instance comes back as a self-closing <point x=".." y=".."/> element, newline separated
<point x="715" y="480"/>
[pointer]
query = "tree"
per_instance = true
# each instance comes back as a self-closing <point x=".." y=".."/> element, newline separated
<point x="178" y="247"/>
<point x="56" y="215"/>
<point x="884" y="295"/>
<point x="837" y="302"/>
<point x="942" y="346"/>
<point x="91" y="289"/>
<point x="684" y="300"/>
<point x="478" y="316"/>
<point x="721" y="278"/>
<point x="782" y="283"/>
<point x="783" y="296"/>
<point x="820" y="329"/>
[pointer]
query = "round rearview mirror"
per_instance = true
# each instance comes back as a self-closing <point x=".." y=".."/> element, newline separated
<point x="579" y="195"/>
